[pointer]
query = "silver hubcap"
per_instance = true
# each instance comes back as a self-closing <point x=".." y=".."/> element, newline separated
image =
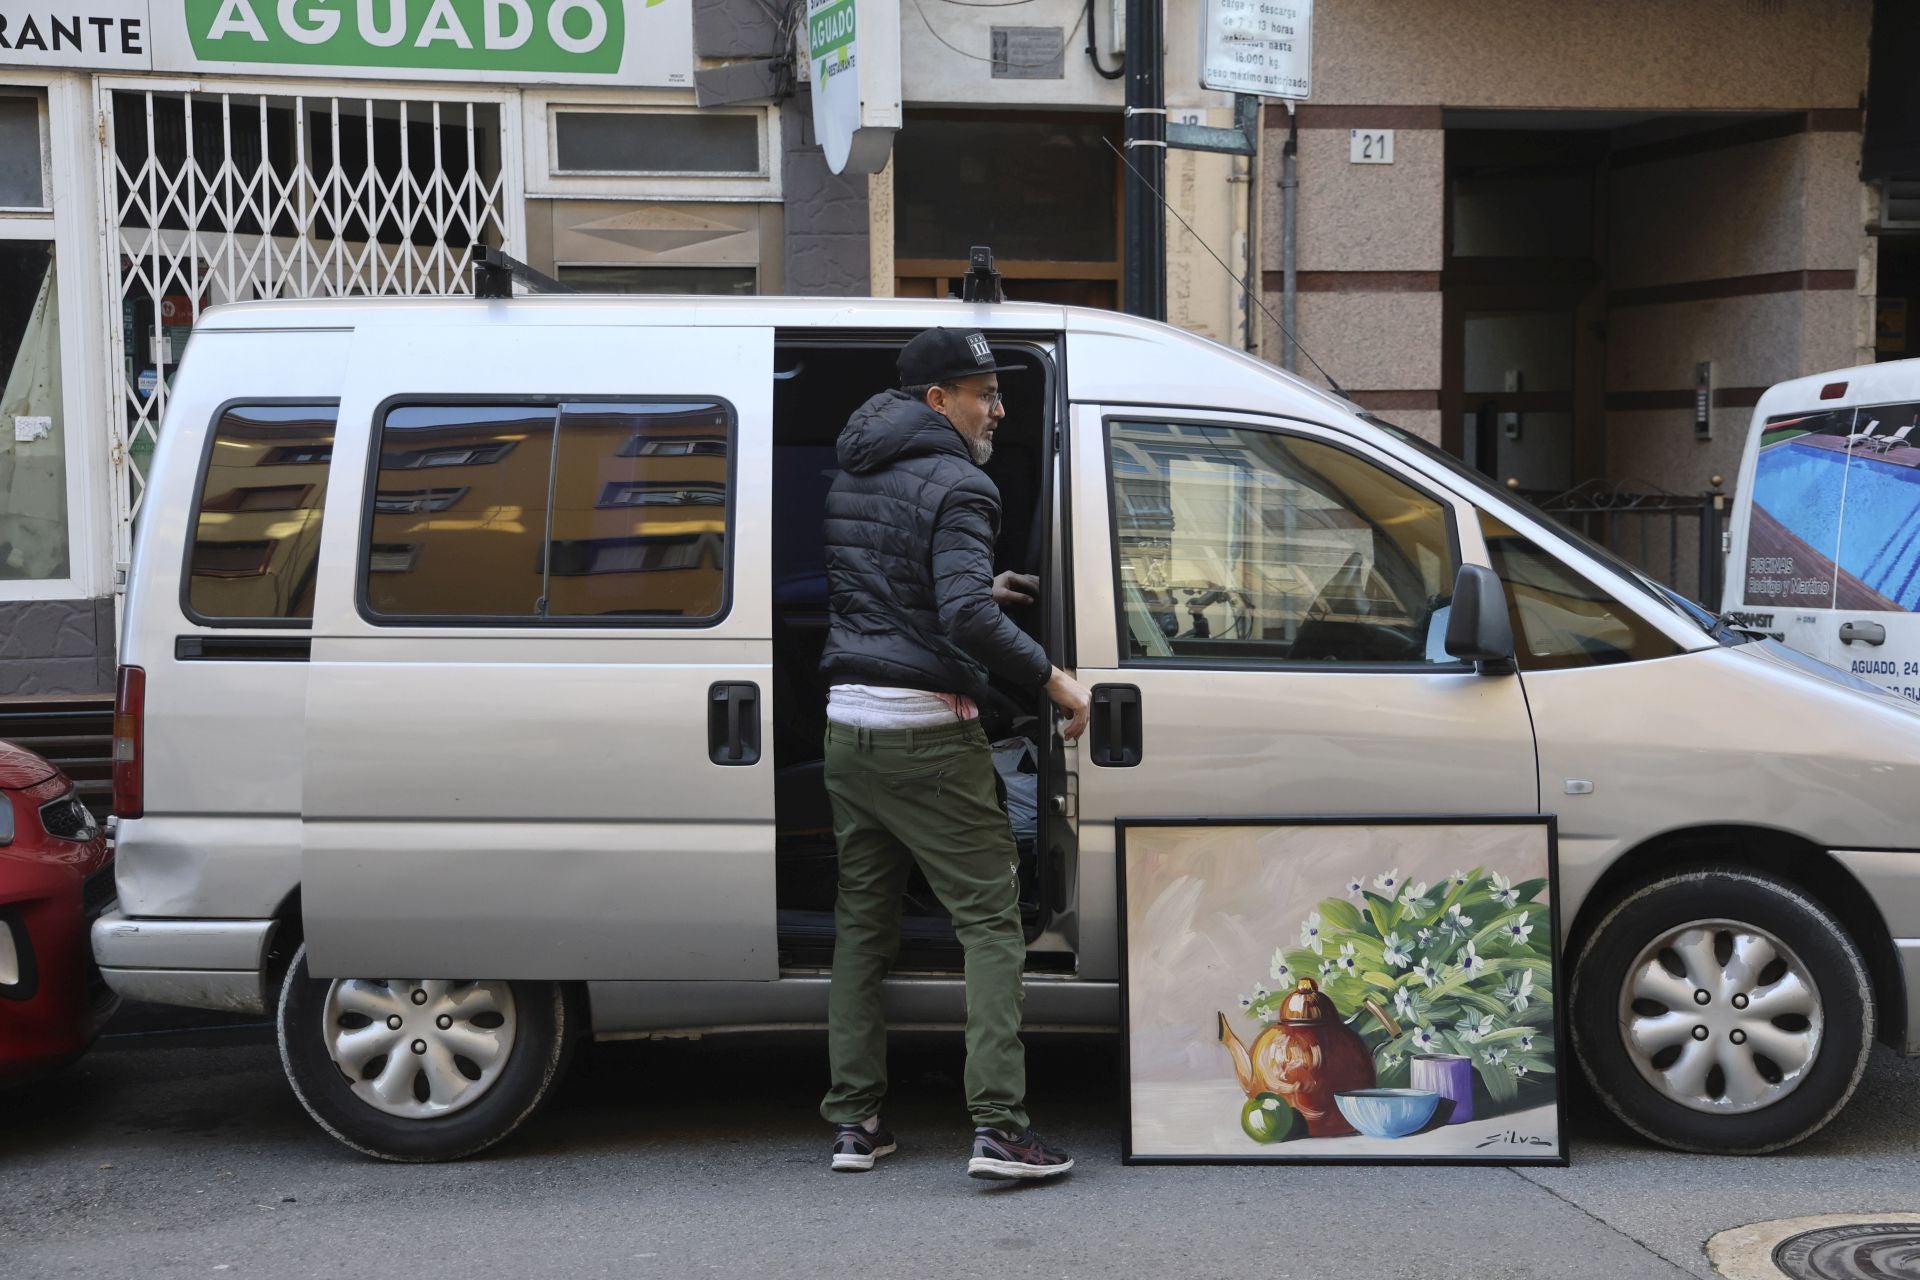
<point x="1721" y="1017"/>
<point x="418" y="1049"/>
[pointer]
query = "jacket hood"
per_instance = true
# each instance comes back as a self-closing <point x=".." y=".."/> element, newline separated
<point x="893" y="426"/>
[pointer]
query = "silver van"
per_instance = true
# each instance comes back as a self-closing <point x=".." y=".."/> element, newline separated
<point x="477" y="641"/>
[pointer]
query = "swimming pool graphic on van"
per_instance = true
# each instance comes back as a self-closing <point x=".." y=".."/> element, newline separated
<point x="1830" y="528"/>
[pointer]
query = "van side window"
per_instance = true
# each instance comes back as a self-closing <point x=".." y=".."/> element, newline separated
<point x="256" y="525"/>
<point x="1559" y="619"/>
<point x="559" y="512"/>
<point x="1242" y="545"/>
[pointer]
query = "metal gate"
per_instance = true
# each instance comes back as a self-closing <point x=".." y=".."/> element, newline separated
<point x="1677" y="538"/>
<point x="256" y="193"/>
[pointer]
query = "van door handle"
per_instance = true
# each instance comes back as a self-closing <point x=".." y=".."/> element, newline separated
<point x="1864" y="632"/>
<point x="733" y="723"/>
<point x="1115" y="731"/>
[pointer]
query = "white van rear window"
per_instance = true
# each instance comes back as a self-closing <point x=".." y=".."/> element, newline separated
<point x="256" y="525"/>
<point x="1834" y="496"/>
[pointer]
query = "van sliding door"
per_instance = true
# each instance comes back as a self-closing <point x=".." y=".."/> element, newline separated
<point x="538" y="713"/>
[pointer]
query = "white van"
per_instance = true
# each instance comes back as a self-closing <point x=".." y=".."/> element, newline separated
<point x="1825" y="546"/>
<point x="477" y="641"/>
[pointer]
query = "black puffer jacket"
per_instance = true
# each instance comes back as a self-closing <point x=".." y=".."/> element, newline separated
<point x="911" y="523"/>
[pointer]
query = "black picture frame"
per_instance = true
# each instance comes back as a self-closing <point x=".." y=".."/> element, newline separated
<point x="1496" y="1158"/>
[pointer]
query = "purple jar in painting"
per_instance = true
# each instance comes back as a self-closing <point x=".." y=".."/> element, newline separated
<point x="1451" y="1076"/>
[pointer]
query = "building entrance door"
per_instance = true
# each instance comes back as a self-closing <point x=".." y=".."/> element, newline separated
<point x="1523" y="297"/>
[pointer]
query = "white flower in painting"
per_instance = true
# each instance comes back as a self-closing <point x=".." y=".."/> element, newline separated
<point x="1391" y="1061"/>
<point x="1424" y="1039"/>
<point x="1516" y="931"/>
<point x="1519" y="1069"/>
<point x="1260" y="995"/>
<point x="1246" y="1002"/>
<point x="1471" y="963"/>
<point x="1416" y="899"/>
<point x="1280" y="971"/>
<point x="1326" y="967"/>
<point x="1396" y="951"/>
<point x="1356" y="887"/>
<point x="1473" y="1032"/>
<point x="1427" y="971"/>
<point x="1458" y="880"/>
<point x="1457" y="922"/>
<point x="1519" y="993"/>
<point x="1526" y="1042"/>
<point x="1388" y="884"/>
<point x="1424" y="937"/>
<point x="1310" y="934"/>
<point x="1503" y="890"/>
<point x="1493" y="1057"/>
<point x="1403" y="1002"/>
<point x="1346" y="963"/>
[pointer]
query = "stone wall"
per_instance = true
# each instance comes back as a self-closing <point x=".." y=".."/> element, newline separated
<point x="826" y="214"/>
<point x="56" y="646"/>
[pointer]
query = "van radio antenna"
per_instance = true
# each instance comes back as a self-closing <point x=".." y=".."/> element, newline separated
<point x="1245" y="285"/>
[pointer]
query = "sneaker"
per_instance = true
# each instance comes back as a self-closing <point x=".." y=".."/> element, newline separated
<point x="855" y="1150"/>
<point x="1024" y="1155"/>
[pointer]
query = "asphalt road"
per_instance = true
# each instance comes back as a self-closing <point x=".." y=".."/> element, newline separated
<point x="184" y="1154"/>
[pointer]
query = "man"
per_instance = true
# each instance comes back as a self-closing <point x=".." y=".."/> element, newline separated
<point x="915" y="629"/>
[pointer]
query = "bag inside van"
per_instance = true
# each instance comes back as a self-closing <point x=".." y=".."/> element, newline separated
<point x="818" y="386"/>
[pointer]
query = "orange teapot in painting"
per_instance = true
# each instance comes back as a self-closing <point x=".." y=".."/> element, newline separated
<point x="1306" y="1057"/>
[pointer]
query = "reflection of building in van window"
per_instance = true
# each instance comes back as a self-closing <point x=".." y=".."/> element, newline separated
<point x="639" y="511"/>
<point x="1249" y="544"/>
<point x="1559" y="619"/>
<point x="1833" y="499"/>
<point x="477" y="551"/>
<point x="636" y="524"/>
<point x="257" y="531"/>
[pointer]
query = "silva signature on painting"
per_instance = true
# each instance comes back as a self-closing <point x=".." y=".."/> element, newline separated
<point x="1361" y="990"/>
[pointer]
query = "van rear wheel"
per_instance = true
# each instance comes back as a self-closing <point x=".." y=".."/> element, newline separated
<point x="420" y="1070"/>
<point x="1722" y="1010"/>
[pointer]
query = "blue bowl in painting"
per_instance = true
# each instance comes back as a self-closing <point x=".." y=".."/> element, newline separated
<point x="1387" y="1113"/>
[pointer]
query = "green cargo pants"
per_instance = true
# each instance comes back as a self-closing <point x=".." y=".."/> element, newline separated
<point x="926" y="796"/>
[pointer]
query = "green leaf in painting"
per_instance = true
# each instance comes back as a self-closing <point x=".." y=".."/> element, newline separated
<point x="1338" y="913"/>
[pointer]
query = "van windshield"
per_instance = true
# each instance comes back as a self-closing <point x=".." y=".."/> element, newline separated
<point x="1665" y="596"/>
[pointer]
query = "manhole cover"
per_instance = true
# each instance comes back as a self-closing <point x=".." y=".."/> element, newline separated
<point x="1871" y="1244"/>
<point x="1852" y="1251"/>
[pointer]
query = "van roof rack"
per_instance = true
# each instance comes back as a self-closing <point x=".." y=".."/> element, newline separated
<point x="494" y="274"/>
<point x="982" y="281"/>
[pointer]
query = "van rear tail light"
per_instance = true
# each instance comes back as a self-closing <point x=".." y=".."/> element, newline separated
<point x="129" y="742"/>
<point x="1833" y="391"/>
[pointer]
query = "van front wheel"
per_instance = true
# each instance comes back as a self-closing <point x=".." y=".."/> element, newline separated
<point x="1722" y="1010"/>
<point x="420" y="1070"/>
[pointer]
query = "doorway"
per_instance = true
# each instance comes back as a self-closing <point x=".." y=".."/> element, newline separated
<point x="1523" y="304"/>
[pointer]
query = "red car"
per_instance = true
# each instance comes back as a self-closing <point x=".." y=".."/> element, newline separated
<point x="56" y="876"/>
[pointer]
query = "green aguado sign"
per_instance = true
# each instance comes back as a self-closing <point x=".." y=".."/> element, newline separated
<point x="572" y="37"/>
<point x="830" y="29"/>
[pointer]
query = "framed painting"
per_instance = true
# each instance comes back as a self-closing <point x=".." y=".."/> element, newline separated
<point x="1349" y="990"/>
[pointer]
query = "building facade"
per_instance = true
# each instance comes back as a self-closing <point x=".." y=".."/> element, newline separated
<point x="1590" y="211"/>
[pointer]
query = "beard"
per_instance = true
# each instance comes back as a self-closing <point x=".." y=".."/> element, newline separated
<point x="982" y="449"/>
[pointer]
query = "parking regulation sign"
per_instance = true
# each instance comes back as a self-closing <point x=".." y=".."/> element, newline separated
<point x="1261" y="47"/>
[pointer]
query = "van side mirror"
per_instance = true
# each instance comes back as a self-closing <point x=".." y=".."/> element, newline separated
<point x="1477" y="627"/>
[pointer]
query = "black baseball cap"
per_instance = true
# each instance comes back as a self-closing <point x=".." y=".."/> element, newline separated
<point x="941" y="355"/>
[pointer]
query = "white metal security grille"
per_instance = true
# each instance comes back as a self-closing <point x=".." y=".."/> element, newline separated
<point x="223" y="197"/>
